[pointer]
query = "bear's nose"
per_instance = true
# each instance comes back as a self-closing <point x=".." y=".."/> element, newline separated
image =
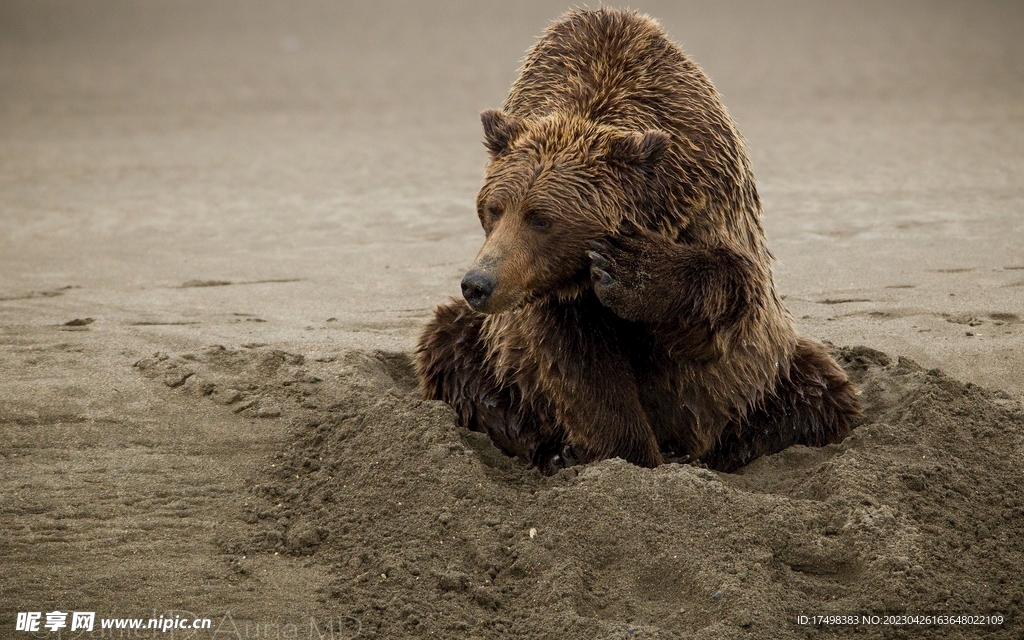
<point x="477" y="287"/>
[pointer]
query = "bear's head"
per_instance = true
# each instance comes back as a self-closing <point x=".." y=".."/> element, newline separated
<point x="552" y="186"/>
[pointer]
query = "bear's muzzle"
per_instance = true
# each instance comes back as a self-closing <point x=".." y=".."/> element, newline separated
<point x="477" y="287"/>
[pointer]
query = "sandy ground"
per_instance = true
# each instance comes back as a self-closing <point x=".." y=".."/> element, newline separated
<point x="273" y="197"/>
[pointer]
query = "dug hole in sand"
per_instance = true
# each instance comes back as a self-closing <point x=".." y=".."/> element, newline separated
<point x="427" y="529"/>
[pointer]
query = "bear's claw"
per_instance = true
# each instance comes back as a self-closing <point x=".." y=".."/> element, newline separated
<point x="598" y="260"/>
<point x="565" y="459"/>
<point x="603" y="277"/>
<point x="599" y="267"/>
<point x="598" y="272"/>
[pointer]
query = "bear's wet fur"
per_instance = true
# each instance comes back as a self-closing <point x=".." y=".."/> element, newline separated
<point x="622" y="304"/>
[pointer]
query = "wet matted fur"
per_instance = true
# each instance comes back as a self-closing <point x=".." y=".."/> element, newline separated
<point x="623" y="302"/>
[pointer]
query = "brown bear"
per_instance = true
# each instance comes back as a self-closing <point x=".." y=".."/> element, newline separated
<point x="623" y="304"/>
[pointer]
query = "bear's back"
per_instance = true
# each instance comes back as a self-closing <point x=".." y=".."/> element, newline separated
<point x="617" y="68"/>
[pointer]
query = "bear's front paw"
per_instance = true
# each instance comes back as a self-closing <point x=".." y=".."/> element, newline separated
<point x="562" y="460"/>
<point x="617" y="278"/>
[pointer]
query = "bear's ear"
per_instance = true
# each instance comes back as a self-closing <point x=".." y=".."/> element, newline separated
<point x="638" y="148"/>
<point x="500" y="131"/>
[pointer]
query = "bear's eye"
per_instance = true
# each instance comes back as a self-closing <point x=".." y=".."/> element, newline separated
<point x="493" y="212"/>
<point x="538" y="221"/>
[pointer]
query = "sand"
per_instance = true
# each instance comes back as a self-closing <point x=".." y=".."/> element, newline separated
<point x="221" y="227"/>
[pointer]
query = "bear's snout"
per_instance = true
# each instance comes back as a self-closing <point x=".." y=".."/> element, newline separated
<point x="477" y="287"/>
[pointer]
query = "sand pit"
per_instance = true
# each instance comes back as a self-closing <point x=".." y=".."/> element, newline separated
<point x="428" y="530"/>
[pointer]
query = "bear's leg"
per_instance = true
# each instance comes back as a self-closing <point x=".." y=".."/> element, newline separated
<point x="814" y="406"/>
<point x="451" y="366"/>
<point x="592" y="385"/>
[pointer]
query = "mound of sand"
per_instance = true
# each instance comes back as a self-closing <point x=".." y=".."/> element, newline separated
<point x="428" y="530"/>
